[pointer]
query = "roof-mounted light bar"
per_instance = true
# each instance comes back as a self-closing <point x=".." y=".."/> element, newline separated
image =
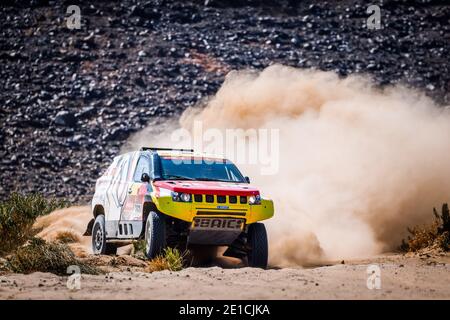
<point x="165" y="149"/>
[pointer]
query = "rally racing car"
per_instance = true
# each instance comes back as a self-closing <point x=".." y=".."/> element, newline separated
<point x="177" y="198"/>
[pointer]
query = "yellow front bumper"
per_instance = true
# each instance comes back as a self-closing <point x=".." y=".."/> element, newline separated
<point x="187" y="211"/>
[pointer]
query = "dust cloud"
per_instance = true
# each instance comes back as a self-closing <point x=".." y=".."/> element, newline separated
<point x="358" y="164"/>
<point x="71" y="221"/>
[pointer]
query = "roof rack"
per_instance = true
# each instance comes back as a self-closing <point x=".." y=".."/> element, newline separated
<point x="165" y="149"/>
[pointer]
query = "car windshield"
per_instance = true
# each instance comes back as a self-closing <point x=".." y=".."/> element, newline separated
<point x="200" y="169"/>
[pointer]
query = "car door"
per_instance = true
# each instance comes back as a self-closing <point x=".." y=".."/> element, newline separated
<point x="132" y="209"/>
<point x="117" y="190"/>
<point x="108" y="188"/>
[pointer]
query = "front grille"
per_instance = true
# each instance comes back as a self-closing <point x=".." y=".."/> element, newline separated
<point x="209" y="198"/>
<point x="231" y="213"/>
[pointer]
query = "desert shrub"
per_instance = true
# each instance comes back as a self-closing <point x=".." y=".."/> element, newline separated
<point x="171" y="259"/>
<point x="67" y="236"/>
<point x="43" y="256"/>
<point x="3" y="265"/>
<point x="443" y="218"/>
<point x="436" y="234"/>
<point x="17" y="216"/>
<point x="157" y="264"/>
<point x="139" y="249"/>
<point x="174" y="259"/>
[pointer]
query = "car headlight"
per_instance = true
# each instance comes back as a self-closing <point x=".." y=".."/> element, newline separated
<point x="186" y="197"/>
<point x="254" y="199"/>
<point x="181" y="197"/>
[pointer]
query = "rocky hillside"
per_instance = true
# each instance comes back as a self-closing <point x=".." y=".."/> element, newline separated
<point x="70" y="98"/>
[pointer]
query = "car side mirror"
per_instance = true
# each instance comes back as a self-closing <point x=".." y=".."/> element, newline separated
<point x="247" y="179"/>
<point x="145" y="177"/>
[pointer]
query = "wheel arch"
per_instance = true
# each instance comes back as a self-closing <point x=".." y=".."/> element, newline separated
<point x="98" y="210"/>
<point x="146" y="208"/>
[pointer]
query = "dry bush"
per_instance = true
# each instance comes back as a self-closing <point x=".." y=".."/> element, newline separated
<point x="17" y="216"/>
<point x="157" y="264"/>
<point x="42" y="256"/>
<point x="171" y="259"/>
<point x="138" y="250"/>
<point x="436" y="234"/>
<point x="3" y="265"/>
<point x="67" y="236"/>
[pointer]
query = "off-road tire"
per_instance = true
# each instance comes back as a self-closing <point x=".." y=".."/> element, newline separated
<point x="155" y="234"/>
<point x="259" y="248"/>
<point x="99" y="243"/>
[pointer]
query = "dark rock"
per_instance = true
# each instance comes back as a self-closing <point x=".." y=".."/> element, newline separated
<point x="65" y="119"/>
<point x="140" y="82"/>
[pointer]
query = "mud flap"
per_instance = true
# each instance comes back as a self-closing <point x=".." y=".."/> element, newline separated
<point x="88" y="231"/>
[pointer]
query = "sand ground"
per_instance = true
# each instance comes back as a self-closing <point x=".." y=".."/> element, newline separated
<point x="418" y="276"/>
<point x="402" y="277"/>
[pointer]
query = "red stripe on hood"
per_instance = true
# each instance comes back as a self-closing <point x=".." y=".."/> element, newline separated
<point x="208" y="187"/>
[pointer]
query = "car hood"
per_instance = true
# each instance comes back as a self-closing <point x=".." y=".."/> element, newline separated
<point x="208" y="187"/>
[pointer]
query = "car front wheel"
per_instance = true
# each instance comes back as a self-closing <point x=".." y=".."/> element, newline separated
<point x="155" y="235"/>
<point x="259" y="249"/>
